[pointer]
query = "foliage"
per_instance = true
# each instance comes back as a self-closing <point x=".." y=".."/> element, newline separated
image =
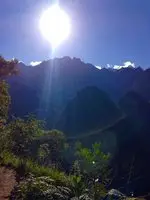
<point x="8" y="68"/>
<point x="94" y="169"/>
<point x="44" y="188"/>
<point x="28" y="166"/>
<point x="4" y="139"/>
<point x="43" y="153"/>
<point x="78" y="186"/>
<point x="56" y="139"/>
<point x="51" y="148"/>
<point x="4" y="107"/>
<point x="76" y="168"/>
<point x="82" y="197"/>
<point x="4" y="101"/>
<point x="22" y="133"/>
<point x="93" y="162"/>
<point x="40" y="188"/>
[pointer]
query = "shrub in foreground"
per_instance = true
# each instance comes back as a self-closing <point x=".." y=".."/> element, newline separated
<point x="40" y="188"/>
<point x="43" y="188"/>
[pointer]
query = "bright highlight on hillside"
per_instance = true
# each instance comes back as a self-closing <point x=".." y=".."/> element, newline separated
<point x="55" y="25"/>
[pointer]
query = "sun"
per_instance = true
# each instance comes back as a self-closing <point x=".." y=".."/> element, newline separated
<point x="55" y="25"/>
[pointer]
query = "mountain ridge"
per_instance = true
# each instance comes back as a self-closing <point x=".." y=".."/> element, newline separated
<point x="55" y="82"/>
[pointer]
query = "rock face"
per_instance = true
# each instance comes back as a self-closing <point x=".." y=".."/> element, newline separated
<point x="115" y="195"/>
<point x="90" y="109"/>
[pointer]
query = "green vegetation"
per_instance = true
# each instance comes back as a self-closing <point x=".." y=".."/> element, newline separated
<point x="37" y="155"/>
<point x="26" y="167"/>
<point x="8" y="68"/>
<point x="4" y="101"/>
<point x="40" y="188"/>
<point x="22" y="133"/>
<point x="94" y="171"/>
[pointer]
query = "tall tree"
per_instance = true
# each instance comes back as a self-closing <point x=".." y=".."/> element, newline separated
<point x="4" y="101"/>
<point x="8" y="67"/>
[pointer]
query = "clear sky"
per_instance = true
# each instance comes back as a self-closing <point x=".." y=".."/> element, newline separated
<point x="103" y="31"/>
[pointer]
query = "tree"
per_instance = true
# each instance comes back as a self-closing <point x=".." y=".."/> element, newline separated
<point x="22" y="133"/>
<point x="8" y="68"/>
<point x="4" y="102"/>
<point x="52" y="146"/>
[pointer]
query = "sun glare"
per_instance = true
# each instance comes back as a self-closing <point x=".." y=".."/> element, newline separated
<point x="55" y="25"/>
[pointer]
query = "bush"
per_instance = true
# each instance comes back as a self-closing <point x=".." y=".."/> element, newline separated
<point x="50" y="148"/>
<point x="22" y="132"/>
<point x="40" y="188"/>
<point x="43" y="188"/>
<point x="94" y="169"/>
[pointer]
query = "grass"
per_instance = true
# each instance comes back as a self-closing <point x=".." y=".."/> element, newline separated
<point x="37" y="170"/>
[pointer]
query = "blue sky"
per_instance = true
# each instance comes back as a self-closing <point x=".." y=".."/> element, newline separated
<point x="103" y="31"/>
